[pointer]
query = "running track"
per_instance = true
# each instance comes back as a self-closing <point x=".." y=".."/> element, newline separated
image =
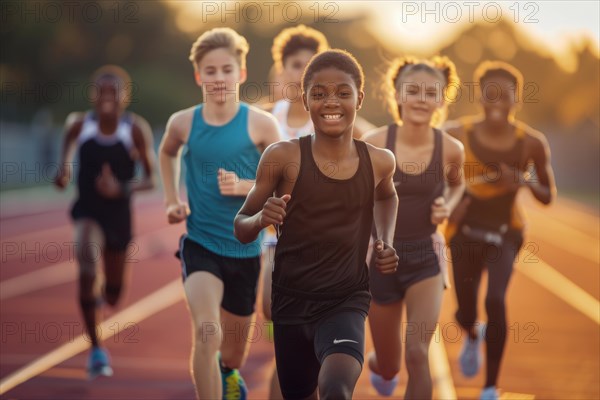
<point x="553" y="349"/>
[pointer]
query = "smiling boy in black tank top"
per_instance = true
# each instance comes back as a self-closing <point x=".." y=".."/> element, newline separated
<point x="328" y="190"/>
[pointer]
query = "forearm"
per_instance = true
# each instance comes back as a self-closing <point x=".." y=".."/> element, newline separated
<point x="170" y="172"/>
<point x="384" y="215"/>
<point x="454" y="195"/>
<point x="542" y="193"/>
<point x="247" y="227"/>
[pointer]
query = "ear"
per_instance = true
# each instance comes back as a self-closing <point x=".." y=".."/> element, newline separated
<point x="304" y="101"/>
<point x="361" y="97"/>
<point x="197" y="77"/>
<point x="243" y="75"/>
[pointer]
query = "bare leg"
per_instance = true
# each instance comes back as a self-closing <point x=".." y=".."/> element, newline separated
<point x="204" y="293"/>
<point x="423" y="302"/>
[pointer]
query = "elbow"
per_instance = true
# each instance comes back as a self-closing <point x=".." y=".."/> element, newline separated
<point x="238" y="231"/>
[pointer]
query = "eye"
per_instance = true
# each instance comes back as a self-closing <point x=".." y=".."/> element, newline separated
<point x="317" y="95"/>
<point x="345" y="94"/>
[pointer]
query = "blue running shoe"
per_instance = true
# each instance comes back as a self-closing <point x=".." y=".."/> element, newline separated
<point x="470" y="356"/>
<point x="99" y="363"/>
<point x="489" y="393"/>
<point x="383" y="386"/>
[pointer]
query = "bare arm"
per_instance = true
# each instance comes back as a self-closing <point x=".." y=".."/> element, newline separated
<point x="454" y="158"/>
<point x="72" y="130"/>
<point x="143" y="140"/>
<point x="385" y="210"/>
<point x="169" y="160"/>
<point x="261" y="207"/>
<point x="544" y="188"/>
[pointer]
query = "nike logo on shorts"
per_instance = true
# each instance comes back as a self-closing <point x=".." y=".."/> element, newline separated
<point x="336" y="341"/>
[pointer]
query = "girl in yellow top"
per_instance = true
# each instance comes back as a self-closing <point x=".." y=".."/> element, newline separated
<point x="486" y="229"/>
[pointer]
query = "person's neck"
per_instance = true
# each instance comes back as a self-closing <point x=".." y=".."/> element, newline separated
<point x="108" y="125"/>
<point x="415" y="134"/>
<point x="496" y="129"/>
<point x="333" y="148"/>
<point x="220" y="113"/>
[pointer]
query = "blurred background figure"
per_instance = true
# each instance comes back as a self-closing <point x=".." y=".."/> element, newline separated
<point x="108" y="142"/>
<point x="486" y="229"/>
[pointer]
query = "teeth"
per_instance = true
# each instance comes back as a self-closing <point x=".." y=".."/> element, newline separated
<point x="332" y="116"/>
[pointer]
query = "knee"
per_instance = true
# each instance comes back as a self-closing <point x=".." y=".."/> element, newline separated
<point x="207" y="335"/>
<point x="266" y="309"/>
<point x="416" y="356"/>
<point x="494" y="305"/>
<point x="112" y="294"/>
<point x="335" y="391"/>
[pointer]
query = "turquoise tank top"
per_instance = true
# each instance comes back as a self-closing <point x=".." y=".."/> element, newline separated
<point x="209" y="148"/>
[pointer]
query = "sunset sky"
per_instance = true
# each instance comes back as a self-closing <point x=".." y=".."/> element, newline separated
<point x="426" y="26"/>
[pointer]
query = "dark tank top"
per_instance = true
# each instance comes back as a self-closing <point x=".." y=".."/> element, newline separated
<point x="322" y="245"/>
<point x="494" y="213"/>
<point x="417" y="192"/>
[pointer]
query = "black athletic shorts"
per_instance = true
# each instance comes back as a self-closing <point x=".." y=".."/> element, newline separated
<point x="301" y="349"/>
<point x="239" y="275"/>
<point x="114" y="219"/>
<point x="417" y="261"/>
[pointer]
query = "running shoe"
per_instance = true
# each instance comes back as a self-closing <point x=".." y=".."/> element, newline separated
<point x="98" y="363"/>
<point x="470" y="356"/>
<point x="489" y="393"/>
<point x="383" y="386"/>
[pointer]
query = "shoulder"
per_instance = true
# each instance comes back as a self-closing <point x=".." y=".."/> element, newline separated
<point x="259" y="116"/>
<point x="140" y="128"/>
<point x="376" y="137"/>
<point x="75" y="120"/>
<point x="534" y="140"/>
<point x="180" y="122"/>
<point x="282" y="151"/>
<point x="268" y="107"/>
<point x="383" y="160"/>
<point x="452" y="146"/>
<point x="458" y="128"/>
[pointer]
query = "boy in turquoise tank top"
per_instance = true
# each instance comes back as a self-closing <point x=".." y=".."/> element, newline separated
<point x="221" y="137"/>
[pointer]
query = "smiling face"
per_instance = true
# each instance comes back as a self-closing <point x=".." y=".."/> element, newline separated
<point x="109" y="98"/>
<point x="498" y="98"/>
<point x="332" y="100"/>
<point x="218" y="73"/>
<point x="419" y="94"/>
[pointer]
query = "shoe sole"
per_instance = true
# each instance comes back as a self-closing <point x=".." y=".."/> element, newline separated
<point x="102" y="371"/>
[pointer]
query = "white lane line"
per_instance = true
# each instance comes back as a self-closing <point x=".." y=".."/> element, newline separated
<point x="157" y="301"/>
<point x="555" y="282"/>
<point x="144" y="247"/>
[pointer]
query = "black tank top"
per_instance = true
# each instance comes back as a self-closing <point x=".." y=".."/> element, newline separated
<point x="417" y="192"/>
<point x="95" y="150"/>
<point x="493" y="213"/>
<point x="322" y="245"/>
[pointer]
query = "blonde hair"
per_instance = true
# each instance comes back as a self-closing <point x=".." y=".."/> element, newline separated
<point x="218" y="38"/>
<point x="291" y="40"/>
<point x="440" y="66"/>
